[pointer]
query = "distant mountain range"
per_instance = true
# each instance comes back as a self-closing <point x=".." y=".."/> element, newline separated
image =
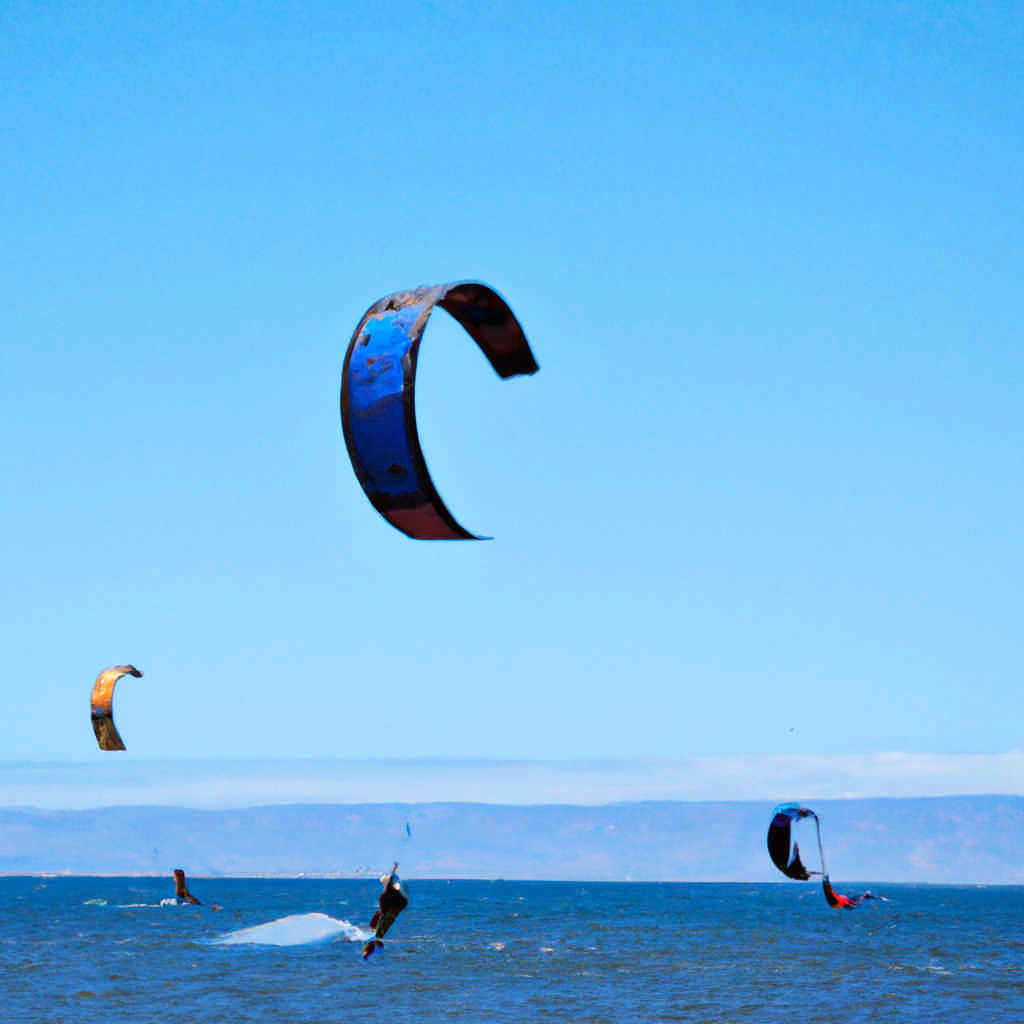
<point x="937" y="839"/>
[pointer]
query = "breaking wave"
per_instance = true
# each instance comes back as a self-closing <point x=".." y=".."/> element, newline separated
<point x="295" y="930"/>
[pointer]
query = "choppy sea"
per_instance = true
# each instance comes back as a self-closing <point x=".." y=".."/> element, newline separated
<point x="84" y="950"/>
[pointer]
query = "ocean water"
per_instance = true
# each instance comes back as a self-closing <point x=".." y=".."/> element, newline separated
<point x="84" y="950"/>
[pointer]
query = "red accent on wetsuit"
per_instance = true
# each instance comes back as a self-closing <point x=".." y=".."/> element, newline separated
<point x="837" y="899"/>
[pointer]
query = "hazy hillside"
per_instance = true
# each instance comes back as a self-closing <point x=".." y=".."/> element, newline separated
<point x="941" y="839"/>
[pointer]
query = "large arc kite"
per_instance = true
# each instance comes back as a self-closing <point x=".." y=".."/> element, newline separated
<point x="783" y="848"/>
<point x="378" y="382"/>
<point x="101" y="706"/>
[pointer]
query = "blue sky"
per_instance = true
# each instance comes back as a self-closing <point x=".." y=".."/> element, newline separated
<point x="768" y="477"/>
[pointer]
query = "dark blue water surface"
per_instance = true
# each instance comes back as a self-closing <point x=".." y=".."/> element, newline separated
<point x="505" y="951"/>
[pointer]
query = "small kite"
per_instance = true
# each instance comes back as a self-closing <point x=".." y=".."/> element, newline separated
<point x="392" y="901"/>
<point x="102" y="711"/>
<point x="785" y="853"/>
<point x="378" y="413"/>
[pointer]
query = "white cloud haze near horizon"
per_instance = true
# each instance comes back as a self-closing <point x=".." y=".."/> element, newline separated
<point x="213" y="784"/>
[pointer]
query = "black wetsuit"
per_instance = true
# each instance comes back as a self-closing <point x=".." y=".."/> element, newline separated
<point x="392" y="902"/>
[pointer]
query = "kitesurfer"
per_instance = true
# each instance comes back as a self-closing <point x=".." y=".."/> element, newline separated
<point x="391" y="902"/>
<point x="838" y="900"/>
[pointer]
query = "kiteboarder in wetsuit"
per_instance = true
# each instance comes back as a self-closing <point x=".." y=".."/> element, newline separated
<point x="838" y="900"/>
<point x="392" y="901"/>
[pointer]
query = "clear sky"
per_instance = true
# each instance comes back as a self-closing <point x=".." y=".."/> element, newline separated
<point x="764" y="497"/>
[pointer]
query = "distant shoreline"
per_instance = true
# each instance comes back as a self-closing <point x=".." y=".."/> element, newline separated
<point x="931" y="840"/>
<point x="516" y="881"/>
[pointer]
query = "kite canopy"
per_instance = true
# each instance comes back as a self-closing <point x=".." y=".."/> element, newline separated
<point x="783" y="849"/>
<point x="101" y="705"/>
<point x="378" y="414"/>
<point x="181" y="888"/>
